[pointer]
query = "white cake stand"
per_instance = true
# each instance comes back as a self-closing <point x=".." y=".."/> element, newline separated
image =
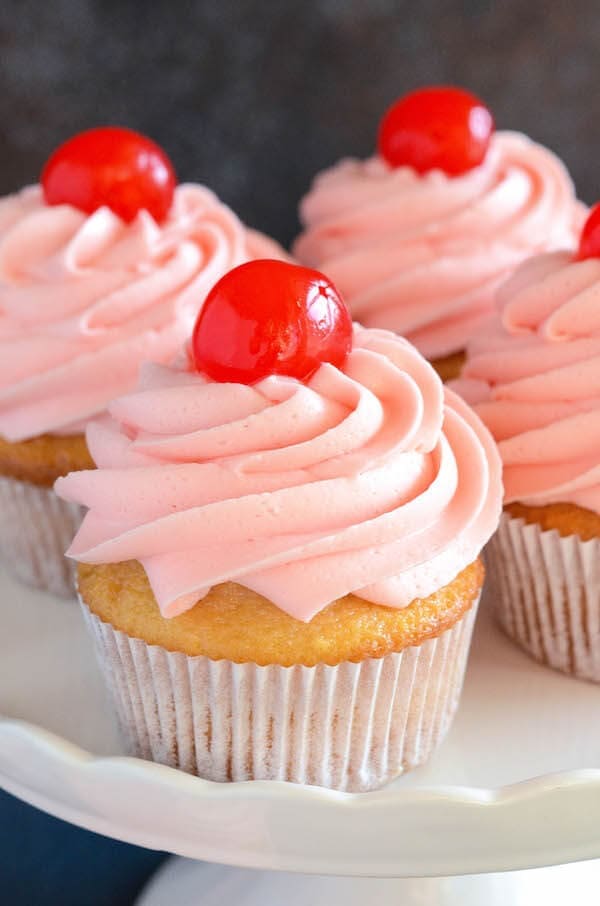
<point x="515" y="786"/>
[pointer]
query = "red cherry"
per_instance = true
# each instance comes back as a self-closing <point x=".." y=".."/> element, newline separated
<point x="441" y="128"/>
<point x="270" y="317"/>
<point x="589" y="242"/>
<point x="110" y="166"/>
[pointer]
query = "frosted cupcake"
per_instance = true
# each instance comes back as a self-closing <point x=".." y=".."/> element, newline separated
<point x="419" y="236"/>
<point x="102" y="266"/>
<point x="280" y="562"/>
<point x="534" y="376"/>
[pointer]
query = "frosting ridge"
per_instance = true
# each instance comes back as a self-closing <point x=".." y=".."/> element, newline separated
<point x="533" y="376"/>
<point x="370" y="479"/>
<point x="84" y="299"/>
<point x="423" y="255"/>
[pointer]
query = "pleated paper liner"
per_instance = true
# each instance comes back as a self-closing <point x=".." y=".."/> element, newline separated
<point x="36" y="528"/>
<point x="546" y="590"/>
<point x="351" y="727"/>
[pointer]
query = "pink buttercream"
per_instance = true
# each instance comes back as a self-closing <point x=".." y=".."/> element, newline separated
<point x="84" y="299"/>
<point x="534" y="375"/>
<point x="372" y="479"/>
<point x="423" y="255"/>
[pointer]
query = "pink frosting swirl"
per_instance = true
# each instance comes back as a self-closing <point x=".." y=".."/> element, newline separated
<point x="534" y="377"/>
<point x="423" y="255"/>
<point x="372" y="479"/>
<point x="85" y="299"/>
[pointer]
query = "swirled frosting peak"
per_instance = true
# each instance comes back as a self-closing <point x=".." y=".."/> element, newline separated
<point x="370" y="479"/>
<point x="424" y="254"/>
<point x="85" y="298"/>
<point x="534" y="377"/>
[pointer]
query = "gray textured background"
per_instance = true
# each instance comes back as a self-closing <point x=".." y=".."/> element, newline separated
<point x="253" y="97"/>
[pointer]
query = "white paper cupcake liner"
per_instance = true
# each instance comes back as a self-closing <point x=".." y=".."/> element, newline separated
<point x="546" y="590"/>
<point x="351" y="727"/>
<point x="36" y="528"/>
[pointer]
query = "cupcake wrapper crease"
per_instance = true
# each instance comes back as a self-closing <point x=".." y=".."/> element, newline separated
<point x="36" y="528"/>
<point x="546" y="590"/>
<point x="351" y="727"/>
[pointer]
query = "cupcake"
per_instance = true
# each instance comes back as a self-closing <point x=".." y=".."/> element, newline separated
<point x="534" y="377"/>
<point x="102" y="266"/>
<point x="419" y="236"/>
<point x="280" y="560"/>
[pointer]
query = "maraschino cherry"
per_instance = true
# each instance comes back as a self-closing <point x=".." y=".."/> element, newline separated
<point x="589" y="242"/>
<point x="270" y="317"/>
<point x="110" y="166"/>
<point x="437" y="128"/>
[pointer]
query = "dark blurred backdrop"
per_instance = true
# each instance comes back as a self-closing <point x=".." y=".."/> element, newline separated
<point x="253" y="97"/>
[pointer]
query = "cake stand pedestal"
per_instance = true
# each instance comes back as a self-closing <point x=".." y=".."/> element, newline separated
<point x="181" y="882"/>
